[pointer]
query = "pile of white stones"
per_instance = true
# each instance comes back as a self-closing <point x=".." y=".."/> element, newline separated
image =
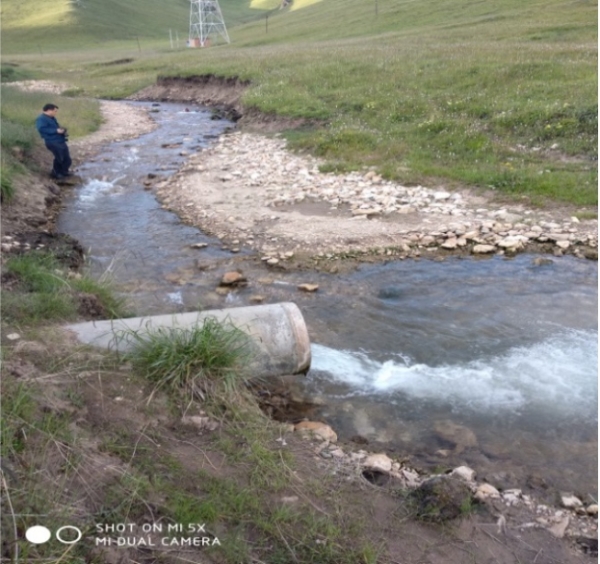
<point x="285" y="178"/>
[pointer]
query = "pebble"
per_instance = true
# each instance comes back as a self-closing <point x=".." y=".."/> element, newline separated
<point x="308" y="287"/>
<point x="485" y="491"/>
<point x="321" y="430"/>
<point x="571" y="501"/>
<point x="378" y="462"/>
<point x="233" y="278"/>
<point x="465" y="473"/>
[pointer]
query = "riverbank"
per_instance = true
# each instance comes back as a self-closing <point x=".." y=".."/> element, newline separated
<point x="250" y="191"/>
<point x="37" y="198"/>
<point x="513" y="515"/>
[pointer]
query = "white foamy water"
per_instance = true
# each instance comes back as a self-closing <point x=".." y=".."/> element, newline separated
<point x="95" y="188"/>
<point x="175" y="297"/>
<point x="133" y="155"/>
<point x="557" y="375"/>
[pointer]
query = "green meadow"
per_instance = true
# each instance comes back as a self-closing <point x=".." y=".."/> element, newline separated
<point x="499" y="95"/>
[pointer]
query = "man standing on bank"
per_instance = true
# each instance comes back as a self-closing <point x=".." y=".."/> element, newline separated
<point x="55" y="138"/>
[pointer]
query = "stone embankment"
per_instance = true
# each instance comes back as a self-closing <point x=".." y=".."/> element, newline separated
<point x="250" y="190"/>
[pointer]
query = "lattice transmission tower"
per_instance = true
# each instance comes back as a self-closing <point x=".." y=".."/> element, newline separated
<point x="206" y="23"/>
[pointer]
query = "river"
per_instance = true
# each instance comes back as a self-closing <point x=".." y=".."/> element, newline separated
<point x="403" y="352"/>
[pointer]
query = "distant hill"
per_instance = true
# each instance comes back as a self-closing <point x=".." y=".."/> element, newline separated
<point x="529" y="20"/>
<point x="55" y="25"/>
<point x="50" y="25"/>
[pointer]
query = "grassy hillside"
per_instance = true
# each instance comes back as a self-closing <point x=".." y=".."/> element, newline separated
<point x="499" y="94"/>
<point x="44" y="26"/>
<point x="537" y="20"/>
<point x="31" y="25"/>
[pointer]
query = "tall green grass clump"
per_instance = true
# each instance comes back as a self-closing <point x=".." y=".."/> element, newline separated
<point x="38" y="289"/>
<point x="11" y="72"/>
<point x="204" y="359"/>
<point x="37" y="272"/>
<point x="40" y="292"/>
<point x="17" y="406"/>
<point x="8" y="170"/>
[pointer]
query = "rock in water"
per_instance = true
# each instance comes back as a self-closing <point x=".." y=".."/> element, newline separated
<point x="462" y="437"/>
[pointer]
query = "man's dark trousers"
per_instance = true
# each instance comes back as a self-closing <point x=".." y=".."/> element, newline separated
<point x="62" y="158"/>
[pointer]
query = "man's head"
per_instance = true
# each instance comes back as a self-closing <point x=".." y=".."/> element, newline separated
<point x="50" y="109"/>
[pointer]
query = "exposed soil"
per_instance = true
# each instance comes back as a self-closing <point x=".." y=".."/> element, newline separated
<point x="221" y="94"/>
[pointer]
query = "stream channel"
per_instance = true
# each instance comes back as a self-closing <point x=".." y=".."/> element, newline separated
<point x="490" y="363"/>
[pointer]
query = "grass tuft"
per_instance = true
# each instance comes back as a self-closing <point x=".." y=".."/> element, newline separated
<point x="41" y="290"/>
<point x="11" y="72"/>
<point x="202" y="360"/>
<point x="7" y="188"/>
<point x="37" y="272"/>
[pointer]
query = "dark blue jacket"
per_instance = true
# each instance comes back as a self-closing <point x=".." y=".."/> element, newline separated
<point x="47" y="127"/>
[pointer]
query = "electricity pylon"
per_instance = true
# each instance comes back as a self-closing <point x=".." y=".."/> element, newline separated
<point x="206" y="21"/>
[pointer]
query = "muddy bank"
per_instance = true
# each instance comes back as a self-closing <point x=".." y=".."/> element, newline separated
<point x="223" y="95"/>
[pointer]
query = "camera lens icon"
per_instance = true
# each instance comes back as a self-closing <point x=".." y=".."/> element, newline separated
<point x="65" y="535"/>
